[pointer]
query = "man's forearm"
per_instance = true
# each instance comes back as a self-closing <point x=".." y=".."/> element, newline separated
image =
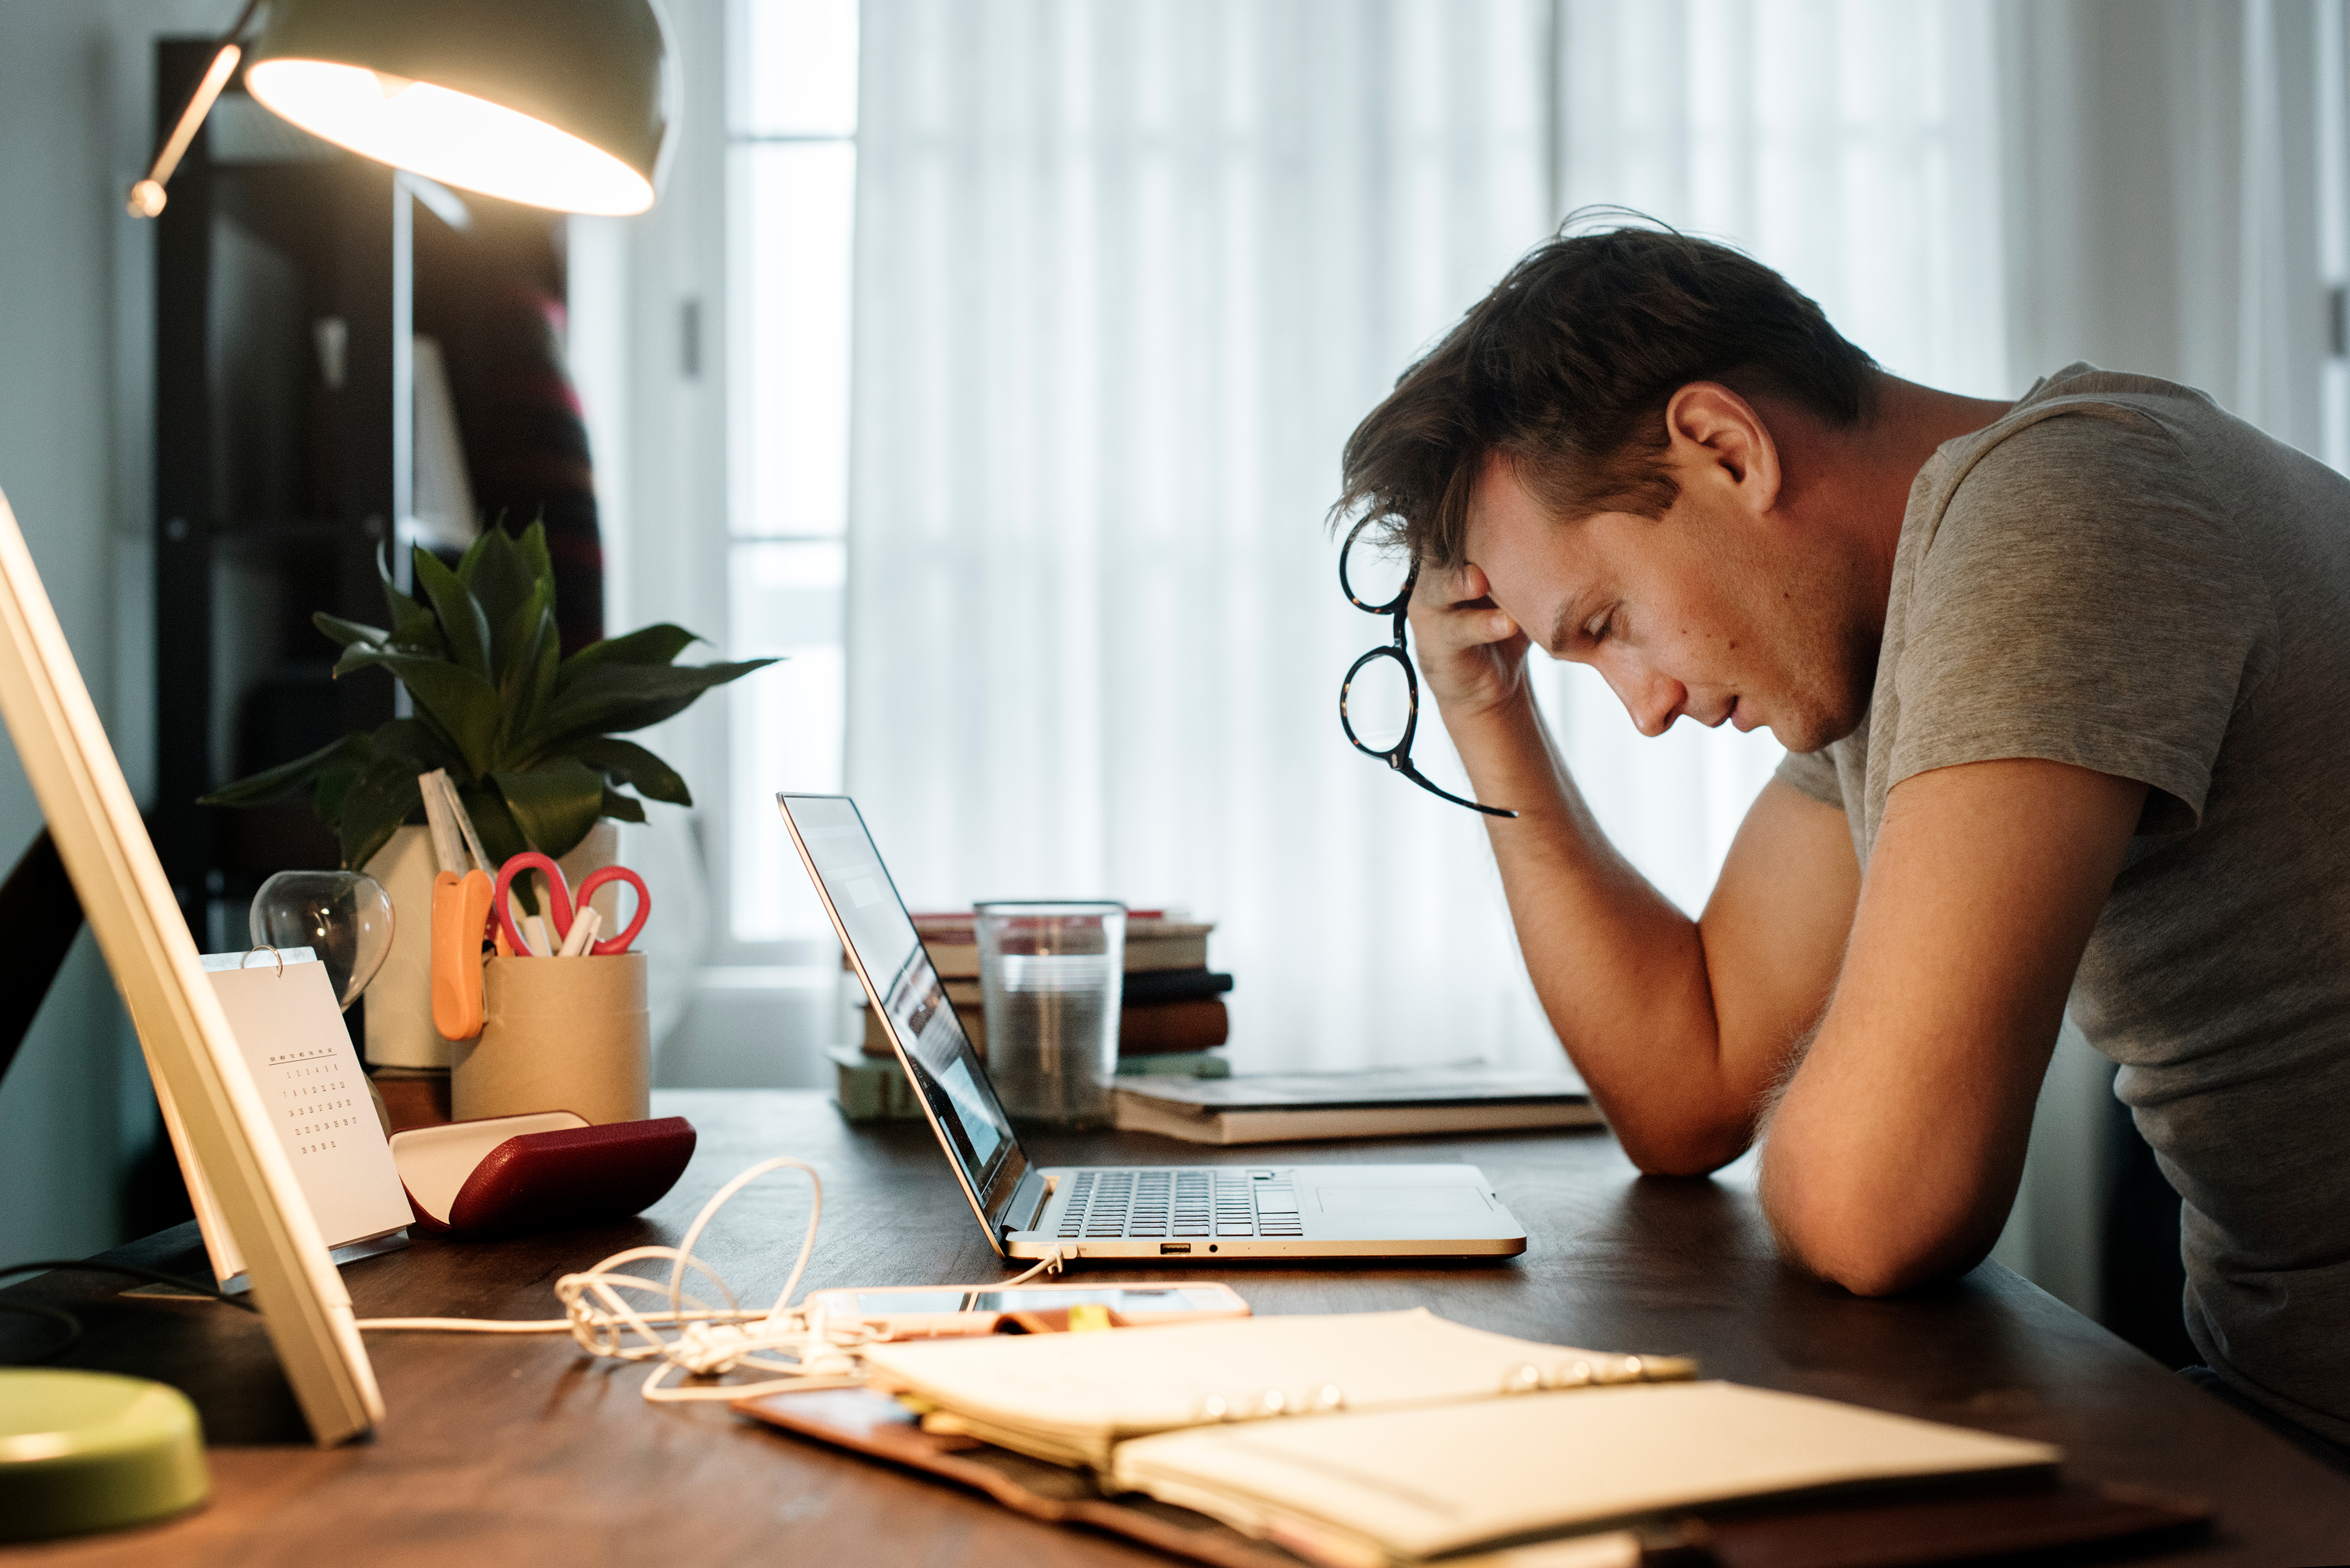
<point x="1622" y="973"/>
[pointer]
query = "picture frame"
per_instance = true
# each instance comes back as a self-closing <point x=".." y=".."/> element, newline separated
<point x="191" y="1052"/>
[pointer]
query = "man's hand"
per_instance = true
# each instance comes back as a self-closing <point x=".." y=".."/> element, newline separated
<point x="1472" y="657"/>
<point x="1895" y="1153"/>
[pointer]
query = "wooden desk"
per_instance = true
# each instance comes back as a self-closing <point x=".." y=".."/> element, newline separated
<point x="523" y="1451"/>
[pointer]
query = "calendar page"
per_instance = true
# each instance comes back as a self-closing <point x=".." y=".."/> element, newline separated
<point x="292" y="1034"/>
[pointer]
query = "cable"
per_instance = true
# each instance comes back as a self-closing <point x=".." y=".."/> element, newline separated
<point x="129" y="1272"/>
<point x="798" y="1346"/>
<point x="708" y="1340"/>
<point x="72" y="1324"/>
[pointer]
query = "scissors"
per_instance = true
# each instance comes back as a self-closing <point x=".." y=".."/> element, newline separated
<point x="562" y="900"/>
<point x="461" y="915"/>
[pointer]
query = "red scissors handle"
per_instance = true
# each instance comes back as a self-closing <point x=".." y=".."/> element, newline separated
<point x="563" y="901"/>
<point x="558" y="898"/>
<point x="587" y="890"/>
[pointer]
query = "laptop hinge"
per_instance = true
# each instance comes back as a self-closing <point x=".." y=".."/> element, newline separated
<point x="1027" y="1202"/>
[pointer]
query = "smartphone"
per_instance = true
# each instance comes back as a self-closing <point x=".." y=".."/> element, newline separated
<point x="942" y="1312"/>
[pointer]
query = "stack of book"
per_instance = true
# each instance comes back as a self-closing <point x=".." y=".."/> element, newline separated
<point x="1171" y="1023"/>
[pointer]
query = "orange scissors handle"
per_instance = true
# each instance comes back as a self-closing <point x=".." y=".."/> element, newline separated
<point x="461" y="917"/>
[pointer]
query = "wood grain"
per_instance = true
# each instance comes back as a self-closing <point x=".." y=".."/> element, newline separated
<point x="524" y="1451"/>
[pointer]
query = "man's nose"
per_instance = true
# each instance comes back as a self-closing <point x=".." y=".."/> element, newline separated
<point x="1653" y="699"/>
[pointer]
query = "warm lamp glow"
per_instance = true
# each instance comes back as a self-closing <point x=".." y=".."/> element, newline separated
<point x="448" y="136"/>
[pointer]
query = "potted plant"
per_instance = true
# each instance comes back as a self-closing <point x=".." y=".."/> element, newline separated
<point x="529" y="738"/>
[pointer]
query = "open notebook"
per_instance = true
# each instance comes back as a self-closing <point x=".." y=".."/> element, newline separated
<point x="1072" y="1397"/>
<point x="1381" y="1437"/>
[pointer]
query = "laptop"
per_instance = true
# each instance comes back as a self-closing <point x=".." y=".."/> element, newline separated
<point x="1134" y="1213"/>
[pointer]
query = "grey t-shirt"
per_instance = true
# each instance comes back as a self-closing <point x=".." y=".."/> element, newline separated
<point x="2119" y="575"/>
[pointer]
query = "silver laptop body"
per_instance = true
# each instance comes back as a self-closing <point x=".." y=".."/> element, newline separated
<point x="1133" y="1212"/>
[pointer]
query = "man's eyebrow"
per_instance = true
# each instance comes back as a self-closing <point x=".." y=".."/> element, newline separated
<point x="1563" y="631"/>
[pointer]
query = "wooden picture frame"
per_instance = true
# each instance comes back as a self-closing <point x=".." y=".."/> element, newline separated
<point x="191" y="1052"/>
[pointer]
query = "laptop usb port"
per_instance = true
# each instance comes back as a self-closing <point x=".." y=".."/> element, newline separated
<point x="1167" y="1247"/>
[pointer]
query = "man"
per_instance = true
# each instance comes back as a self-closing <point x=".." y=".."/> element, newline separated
<point x="2065" y="690"/>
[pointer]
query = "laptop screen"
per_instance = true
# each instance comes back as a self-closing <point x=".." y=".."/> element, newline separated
<point x="881" y="937"/>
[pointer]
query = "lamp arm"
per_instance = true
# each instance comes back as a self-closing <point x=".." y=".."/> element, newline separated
<point x="147" y="196"/>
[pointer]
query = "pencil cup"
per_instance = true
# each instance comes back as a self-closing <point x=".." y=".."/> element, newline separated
<point x="559" y="1034"/>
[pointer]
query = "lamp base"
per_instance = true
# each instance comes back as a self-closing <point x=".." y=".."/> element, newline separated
<point x="84" y="1451"/>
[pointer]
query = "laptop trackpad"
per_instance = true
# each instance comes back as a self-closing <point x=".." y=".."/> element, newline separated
<point x="1338" y="1200"/>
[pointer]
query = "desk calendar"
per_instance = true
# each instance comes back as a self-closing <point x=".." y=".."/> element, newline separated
<point x="292" y="1035"/>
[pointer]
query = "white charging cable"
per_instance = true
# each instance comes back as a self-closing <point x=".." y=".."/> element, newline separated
<point x="705" y="1340"/>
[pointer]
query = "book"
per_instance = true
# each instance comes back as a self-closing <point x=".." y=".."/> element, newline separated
<point x="1072" y="1398"/>
<point x="874" y="1089"/>
<point x="1405" y="1486"/>
<point x="1145" y="1028"/>
<point x="1148" y="1028"/>
<point x="1396" y="1437"/>
<point x="1915" y="1524"/>
<point x="1175" y="985"/>
<point x="1382" y="1102"/>
<point x="1176" y="1064"/>
<point x="1153" y="942"/>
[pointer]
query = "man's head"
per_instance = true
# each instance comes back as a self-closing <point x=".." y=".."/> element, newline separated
<point x="1602" y="435"/>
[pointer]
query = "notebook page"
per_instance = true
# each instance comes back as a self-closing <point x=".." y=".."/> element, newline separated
<point x="1068" y="1397"/>
<point x="1417" y="1483"/>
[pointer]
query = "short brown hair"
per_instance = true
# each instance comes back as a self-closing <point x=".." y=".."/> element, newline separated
<point x="1565" y="367"/>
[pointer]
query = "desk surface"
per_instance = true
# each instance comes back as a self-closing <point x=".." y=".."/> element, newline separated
<point x="522" y="1451"/>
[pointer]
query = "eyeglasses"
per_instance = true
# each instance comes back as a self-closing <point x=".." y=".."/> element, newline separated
<point x="1383" y="686"/>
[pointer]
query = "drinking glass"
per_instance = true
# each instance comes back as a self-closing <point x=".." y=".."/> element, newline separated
<point x="1051" y="977"/>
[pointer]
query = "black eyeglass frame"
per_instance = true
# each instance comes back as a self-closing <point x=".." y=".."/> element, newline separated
<point x="1397" y="756"/>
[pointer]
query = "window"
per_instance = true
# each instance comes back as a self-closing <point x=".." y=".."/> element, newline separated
<point x="791" y="202"/>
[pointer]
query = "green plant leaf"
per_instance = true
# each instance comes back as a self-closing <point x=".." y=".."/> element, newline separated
<point x="502" y="837"/>
<point x="413" y="630"/>
<point x="417" y="742"/>
<point x="278" y="783"/>
<point x="501" y="572"/>
<point x="614" y="698"/>
<point x="525" y="640"/>
<point x="455" y="698"/>
<point x="377" y="803"/>
<point x="626" y="762"/>
<point x="621" y="807"/>
<point x="555" y="804"/>
<point x="347" y="632"/>
<point x="651" y="645"/>
<point x="463" y="624"/>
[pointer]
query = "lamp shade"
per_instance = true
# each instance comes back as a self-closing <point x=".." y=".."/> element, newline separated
<point x="555" y="103"/>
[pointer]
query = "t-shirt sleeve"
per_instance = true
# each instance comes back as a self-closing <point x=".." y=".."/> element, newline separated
<point x="2082" y="600"/>
<point x="1814" y="774"/>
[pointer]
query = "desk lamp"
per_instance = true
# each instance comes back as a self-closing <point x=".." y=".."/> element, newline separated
<point x="553" y="103"/>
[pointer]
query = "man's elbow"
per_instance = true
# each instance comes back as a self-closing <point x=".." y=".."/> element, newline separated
<point x="1870" y="1251"/>
<point x="1682" y="1149"/>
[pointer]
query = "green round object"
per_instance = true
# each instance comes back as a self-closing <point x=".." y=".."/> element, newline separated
<point x="88" y="1450"/>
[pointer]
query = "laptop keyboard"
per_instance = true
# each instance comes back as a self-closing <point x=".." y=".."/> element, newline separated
<point x="1174" y="1205"/>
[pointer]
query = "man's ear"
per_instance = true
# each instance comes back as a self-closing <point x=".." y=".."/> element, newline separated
<point x="1718" y="441"/>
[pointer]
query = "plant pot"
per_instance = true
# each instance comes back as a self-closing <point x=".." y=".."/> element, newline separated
<point x="400" y="1031"/>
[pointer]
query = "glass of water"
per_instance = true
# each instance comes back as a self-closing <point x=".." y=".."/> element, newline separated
<point x="1051" y="977"/>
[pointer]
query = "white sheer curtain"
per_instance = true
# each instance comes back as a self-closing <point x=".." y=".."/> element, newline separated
<point x="1848" y="144"/>
<point x="1126" y="273"/>
<point x="2175" y="188"/>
